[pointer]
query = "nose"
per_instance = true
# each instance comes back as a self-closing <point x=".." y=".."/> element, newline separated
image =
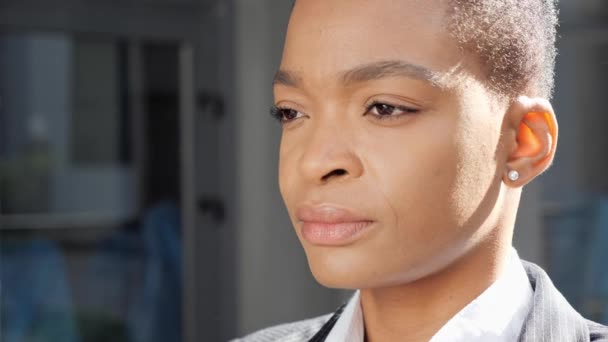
<point x="330" y="155"/>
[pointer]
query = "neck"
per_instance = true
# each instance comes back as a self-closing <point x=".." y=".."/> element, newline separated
<point x="415" y="311"/>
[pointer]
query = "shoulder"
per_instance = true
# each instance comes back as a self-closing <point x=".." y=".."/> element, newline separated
<point x="597" y="332"/>
<point x="290" y="332"/>
<point x="550" y="309"/>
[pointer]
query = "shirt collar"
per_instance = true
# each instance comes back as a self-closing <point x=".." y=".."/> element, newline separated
<point x="498" y="314"/>
<point x="349" y="326"/>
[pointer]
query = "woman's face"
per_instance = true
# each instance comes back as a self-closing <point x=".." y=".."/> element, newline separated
<point x="390" y="161"/>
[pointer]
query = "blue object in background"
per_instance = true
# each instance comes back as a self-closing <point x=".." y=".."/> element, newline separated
<point x="137" y="279"/>
<point x="35" y="297"/>
<point x="132" y="287"/>
<point x="597" y="266"/>
<point x="568" y="234"/>
<point x="156" y="315"/>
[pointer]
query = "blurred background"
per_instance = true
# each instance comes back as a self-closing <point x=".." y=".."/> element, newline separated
<point x="138" y="172"/>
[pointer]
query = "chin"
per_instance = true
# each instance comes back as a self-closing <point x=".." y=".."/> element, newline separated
<point x="347" y="268"/>
<point x="333" y="270"/>
<point x="342" y="270"/>
<point x="339" y="280"/>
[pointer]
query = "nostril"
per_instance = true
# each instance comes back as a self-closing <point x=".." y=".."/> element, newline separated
<point x="337" y="172"/>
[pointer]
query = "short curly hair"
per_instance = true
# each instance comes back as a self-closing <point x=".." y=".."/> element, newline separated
<point x="514" y="39"/>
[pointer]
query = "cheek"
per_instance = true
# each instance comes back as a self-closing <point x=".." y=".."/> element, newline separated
<point x="416" y="169"/>
<point x="286" y="178"/>
<point x="291" y="184"/>
<point x="433" y="178"/>
<point x="476" y="171"/>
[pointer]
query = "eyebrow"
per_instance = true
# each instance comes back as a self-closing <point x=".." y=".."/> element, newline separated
<point x="286" y="78"/>
<point x="369" y="72"/>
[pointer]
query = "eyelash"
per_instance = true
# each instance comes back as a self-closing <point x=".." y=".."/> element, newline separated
<point x="278" y="112"/>
<point x="406" y="110"/>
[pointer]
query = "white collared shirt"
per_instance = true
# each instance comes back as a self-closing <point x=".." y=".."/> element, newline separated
<point x="498" y="314"/>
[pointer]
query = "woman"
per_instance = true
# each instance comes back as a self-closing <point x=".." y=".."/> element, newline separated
<point x="409" y="130"/>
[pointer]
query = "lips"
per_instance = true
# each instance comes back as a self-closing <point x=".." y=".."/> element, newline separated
<point x="330" y="225"/>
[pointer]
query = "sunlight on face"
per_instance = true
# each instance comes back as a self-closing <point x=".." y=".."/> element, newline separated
<point x="388" y="155"/>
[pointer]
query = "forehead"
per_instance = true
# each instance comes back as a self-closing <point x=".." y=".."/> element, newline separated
<point x="328" y="36"/>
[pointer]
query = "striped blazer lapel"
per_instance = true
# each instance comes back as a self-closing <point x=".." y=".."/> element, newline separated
<point x="551" y="317"/>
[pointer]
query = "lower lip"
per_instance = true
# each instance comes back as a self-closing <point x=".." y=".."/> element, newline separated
<point x="334" y="234"/>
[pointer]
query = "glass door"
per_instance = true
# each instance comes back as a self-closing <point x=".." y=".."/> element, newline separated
<point x="91" y="202"/>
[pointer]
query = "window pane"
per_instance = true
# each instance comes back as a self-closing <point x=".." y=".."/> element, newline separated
<point x="90" y="231"/>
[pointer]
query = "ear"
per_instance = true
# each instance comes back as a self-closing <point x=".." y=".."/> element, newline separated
<point x="532" y="137"/>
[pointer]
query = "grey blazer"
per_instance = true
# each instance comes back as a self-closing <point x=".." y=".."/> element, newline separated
<point x="551" y="319"/>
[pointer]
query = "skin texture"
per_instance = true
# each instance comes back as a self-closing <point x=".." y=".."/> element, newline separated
<point x="432" y="180"/>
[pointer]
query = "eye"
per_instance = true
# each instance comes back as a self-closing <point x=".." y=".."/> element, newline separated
<point x="284" y="115"/>
<point x="385" y="110"/>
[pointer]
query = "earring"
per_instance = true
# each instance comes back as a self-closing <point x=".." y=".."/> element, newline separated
<point x="513" y="175"/>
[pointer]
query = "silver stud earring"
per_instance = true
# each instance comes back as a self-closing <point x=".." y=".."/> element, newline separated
<point x="513" y="175"/>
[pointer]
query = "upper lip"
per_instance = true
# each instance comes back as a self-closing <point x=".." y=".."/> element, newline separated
<point x="328" y="213"/>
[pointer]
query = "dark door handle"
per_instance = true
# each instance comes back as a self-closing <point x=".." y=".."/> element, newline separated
<point x="212" y="206"/>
